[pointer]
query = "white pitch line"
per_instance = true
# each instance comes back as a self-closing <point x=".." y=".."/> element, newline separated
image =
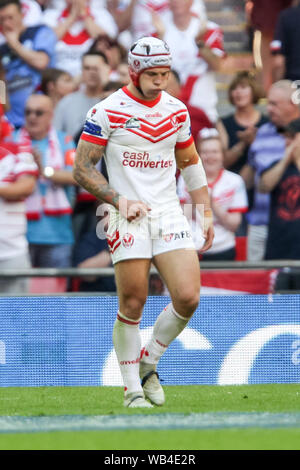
<point x="22" y="424"/>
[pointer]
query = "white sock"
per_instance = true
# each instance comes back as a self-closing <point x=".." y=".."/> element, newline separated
<point x="166" y="328"/>
<point x="127" y="343"/>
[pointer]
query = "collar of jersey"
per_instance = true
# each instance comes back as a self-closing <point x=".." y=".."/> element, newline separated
<point x="150" y="104"/>
<point x="213" y="183"/>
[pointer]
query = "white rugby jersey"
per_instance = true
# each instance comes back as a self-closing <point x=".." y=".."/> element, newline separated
<point x="197" y="78"/>
<point x="229" y="191"/>
<point x="77" y="40"/>
<point x="13" y="223"/>
<point x="140" y="138"/>
<point x="142" y="23"/>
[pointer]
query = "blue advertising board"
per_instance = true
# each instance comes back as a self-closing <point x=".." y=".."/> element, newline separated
<point x="67" y="341"/>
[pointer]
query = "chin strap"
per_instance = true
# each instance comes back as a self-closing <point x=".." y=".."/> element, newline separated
<point x="135" y="78"/>
<point x="140" y="90"/>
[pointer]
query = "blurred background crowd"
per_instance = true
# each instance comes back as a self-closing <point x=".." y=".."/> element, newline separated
<point x="236" y="66"/>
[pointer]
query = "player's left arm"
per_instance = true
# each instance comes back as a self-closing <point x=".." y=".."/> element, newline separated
<point x="190" y="164"/>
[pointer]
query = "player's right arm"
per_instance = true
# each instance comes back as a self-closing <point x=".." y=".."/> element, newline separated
<point x="85" y="173"/>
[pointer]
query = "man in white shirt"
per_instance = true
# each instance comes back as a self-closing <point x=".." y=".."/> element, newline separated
<point x="71" y="111"/>
<point x="197" y="49"/>
<point x="145" y="133"/>
<point x="32" y="15"/>
<point x="77" y="24"/>
<point x="18" y="174"/>
<point x="142" y="19"/>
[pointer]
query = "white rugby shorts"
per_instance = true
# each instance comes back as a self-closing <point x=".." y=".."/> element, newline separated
<point x="149" y="236"/>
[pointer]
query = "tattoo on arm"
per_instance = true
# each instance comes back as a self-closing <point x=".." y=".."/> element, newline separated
<point x="85" y="173"/>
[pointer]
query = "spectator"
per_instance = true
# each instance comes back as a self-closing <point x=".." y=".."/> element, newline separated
<point x="85" y="208"/>
<point x="282" y="181"/>
<point x="111" y="87"/>
<point x="26" y="52"/>
<point x="197" y="51"/>
<point x="174" y="86"/>
<point x="264" y="16"/>
<point x="70" y="112"/>
<point x="140" y="15"/>
<point x="93" y="252"/>
<point x="56" y="84"/>
<point x="6" y="127"/>
<point x="285" y="46"/>
<point x="49" y="208"/>
<point x="267" y="148"/>
<point x="199" y="119"/>
<point x="114" y="52"/>
<point x="32" y="15"/>
<point x="238" y="129"/>
<point x="18" y="173"/>
<point x="76" y="26"/>
<point x="123" y="74"/>
<point x="228" y="198"/>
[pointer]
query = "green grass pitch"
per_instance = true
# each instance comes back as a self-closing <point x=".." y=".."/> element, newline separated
<point x="66" y="401"/>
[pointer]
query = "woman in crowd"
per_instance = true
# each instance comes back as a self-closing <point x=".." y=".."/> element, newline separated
<point x="56" y="84"/>
<point x="238" y="129"/>
<point x="228" y="199"/>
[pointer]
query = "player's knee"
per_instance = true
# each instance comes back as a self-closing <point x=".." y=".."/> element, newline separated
<point x="133" y="306"/>
<point x="189" y="301"/>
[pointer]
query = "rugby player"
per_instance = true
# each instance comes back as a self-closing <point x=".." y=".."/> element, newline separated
<point x="144" y="135"/>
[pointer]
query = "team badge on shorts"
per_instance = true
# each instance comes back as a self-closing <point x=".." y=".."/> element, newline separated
<point x="168" y="237"/>
<point x="128" y="240"/>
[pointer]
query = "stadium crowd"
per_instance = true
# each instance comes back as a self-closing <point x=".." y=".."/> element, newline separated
<point x="60" y="57"/>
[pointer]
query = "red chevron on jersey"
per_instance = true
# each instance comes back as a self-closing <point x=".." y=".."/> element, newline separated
<point x="150" y="131"/>
<point x="117" y="117"/>
<point x="153" y="140"/>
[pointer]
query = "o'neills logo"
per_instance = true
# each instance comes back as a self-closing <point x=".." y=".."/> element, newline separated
<point x="128" y="363"/>
<point x="142" y="160"/>
<point x="157" y="114"/>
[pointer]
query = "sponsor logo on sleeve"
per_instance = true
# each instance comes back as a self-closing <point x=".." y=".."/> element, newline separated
<point x="93" y="129"/>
